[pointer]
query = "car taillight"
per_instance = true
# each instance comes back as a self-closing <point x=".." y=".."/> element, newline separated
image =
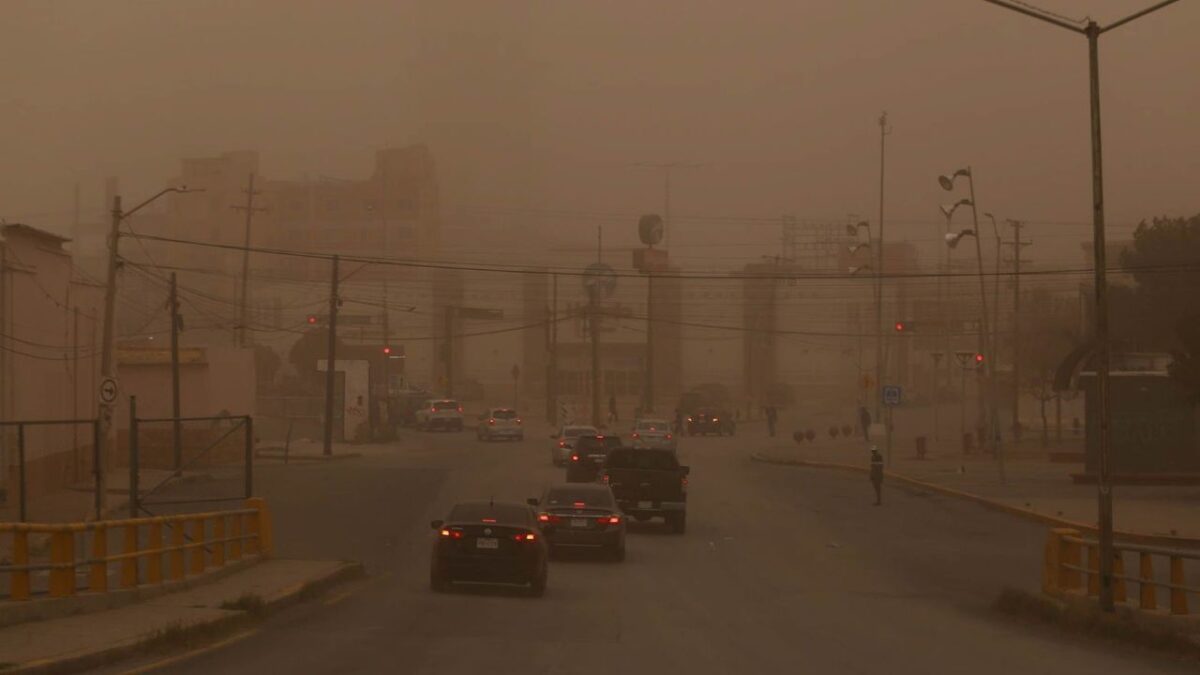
<point x="604" y="479"/>
<point x="518" y="420"/>
<point x="489" y="520"/>
<point x="579" y="505"/>
<point x="715" y="419"/>
<point x="609" y="520"/>
<point x="492" y="422"/>
<point x="562" y="444"/>
<point x="460" y="408"/>
<point x="683" y="483"/>
<point x="452" y="534"/>
<point x="525" y="536"/>
<point x="574" y="458"/>
<point x="668" y="437"/>
<point x="433" y="410"/>
<point x="543" y="517"/>
<point x="635" y="435"/>
<point x="689" y="419"/>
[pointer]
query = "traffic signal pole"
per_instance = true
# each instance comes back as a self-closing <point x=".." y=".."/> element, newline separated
<point x="331" y="359"/>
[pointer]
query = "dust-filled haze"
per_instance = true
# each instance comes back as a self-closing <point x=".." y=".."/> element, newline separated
<point x="540" y="108"/>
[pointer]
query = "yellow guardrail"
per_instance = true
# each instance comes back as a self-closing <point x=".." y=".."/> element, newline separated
<point x="1066" y="572"/>
<point x="190" y="543"/>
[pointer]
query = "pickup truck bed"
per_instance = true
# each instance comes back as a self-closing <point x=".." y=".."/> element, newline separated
<point x="648" y="484"/>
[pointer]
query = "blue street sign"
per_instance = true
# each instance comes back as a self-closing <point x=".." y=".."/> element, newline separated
<point x="891" y="394"/>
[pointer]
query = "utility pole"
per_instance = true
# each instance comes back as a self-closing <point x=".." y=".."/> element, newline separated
<point x="1016" y="326"/>
<point x="594" y="330"/>
<point x="448" y="327"/>
<point x="106" y="354"/>
<point x="552" y="367"/>
<point x="331" y="358"/>
<point x="648" y="399"/>
<point x="177" y="426"/>
<point x="243" y="310"/>
<point x="667" y="168"/>
<point x="883" y="133"/>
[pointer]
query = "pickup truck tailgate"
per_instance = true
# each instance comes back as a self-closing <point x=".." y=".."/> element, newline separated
<point x="642" y="485"/>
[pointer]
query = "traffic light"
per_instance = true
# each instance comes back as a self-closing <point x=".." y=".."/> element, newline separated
<point x="979" y="359"/>
<point x="313" y="319"/>
<point x="904" y="326"/>
<point x="387" y="351"/>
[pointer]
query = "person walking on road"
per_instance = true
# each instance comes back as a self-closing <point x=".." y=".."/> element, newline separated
<point x="772" y="417"/>
<point x="877" y="474"/>
<point x="612" y="408"/>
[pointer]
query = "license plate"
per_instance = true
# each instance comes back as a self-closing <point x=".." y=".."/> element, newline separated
<point x="579" y="522"/>
<point x="487" y="542"/>
<point x="645" y="505"/>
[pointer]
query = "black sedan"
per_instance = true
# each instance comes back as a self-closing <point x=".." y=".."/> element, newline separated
<point x="489" y="542"/>
<point x="581" y="515"/>
<point x="588" y="456"/>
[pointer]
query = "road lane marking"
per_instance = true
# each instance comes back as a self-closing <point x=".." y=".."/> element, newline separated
<point x="170" y="661"/>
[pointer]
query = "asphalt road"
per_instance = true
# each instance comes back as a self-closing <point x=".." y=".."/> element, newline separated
<point x="781" y="570"/>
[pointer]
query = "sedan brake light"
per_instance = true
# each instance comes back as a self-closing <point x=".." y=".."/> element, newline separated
<point x="518" y="420"/>
<point x="562" y="444"/>
<point x="609" y="520"/>
<point x="460" y="408"/>
<point x="492" y="422"/>
<point x="452" y="534"/>
<point x="525" y="536"/>
<point x="604" y="479"/>
<point x="574" y="457"/>
<point x="635" y="435"/>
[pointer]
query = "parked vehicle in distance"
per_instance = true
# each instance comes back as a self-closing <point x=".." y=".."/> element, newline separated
<point x="648" y="484"/>
<point x="440" y="413"/>
<point x="652" y="433"/>
<point x="581" y="515"/>
<point x="500" y="423"/>
<point x="564" y="441"/>
<point x="588" y="457"/>
<point x="706" y="421"/>
<point x="489" y="542"/>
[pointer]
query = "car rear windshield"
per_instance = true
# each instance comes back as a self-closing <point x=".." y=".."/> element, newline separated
<point x="642" y="459"/>
<point x="653" y="425"/>
<point x="504" y="414"/>
<point x="502" y="513"/>
<point x="599" y="442"/>
<point x="572" y="432"/>
<point x="571" y="496"/>
<point x="445" y="405"/>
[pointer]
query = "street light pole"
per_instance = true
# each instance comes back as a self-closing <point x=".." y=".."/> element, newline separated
<point x="107" y="369"/>
<point x="879" y="352"/>
<point x="1092" y="31"/>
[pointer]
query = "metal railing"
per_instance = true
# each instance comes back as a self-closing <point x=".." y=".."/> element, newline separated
<point x="1067" y="572"/>
<point x="188" y="544"/>
<point x="22" y="486"/>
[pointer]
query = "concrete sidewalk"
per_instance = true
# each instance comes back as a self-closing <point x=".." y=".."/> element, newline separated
<point x="1029" y="481"/>
<point x="86" y="641"/>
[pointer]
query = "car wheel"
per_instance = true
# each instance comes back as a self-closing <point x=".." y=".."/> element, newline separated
<point x="537" y="587"/>
<point x="438" y="582"/>
<point x="617" y="553"/>
<point x="677" y="522"/>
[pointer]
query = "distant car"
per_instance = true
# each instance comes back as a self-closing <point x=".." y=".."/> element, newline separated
<point x="500" y="423"/>
<point x="710" y="421"/>
<point x="489" y="542"/>
<point x="581" y="515"/>
<point x="440" y="413"/>
<point x="564" y="441"/>
<point x="588" y="456"/>
<point x="648" y="433"/>
<point x="648" y="484"/>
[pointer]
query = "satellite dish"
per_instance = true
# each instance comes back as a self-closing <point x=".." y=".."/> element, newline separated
<point x="599" y="279"/>
<point x="650" y="229"/>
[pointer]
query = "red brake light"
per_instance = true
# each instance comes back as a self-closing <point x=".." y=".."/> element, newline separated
<point x="562" y="444"/>
<point x="433" y="410"/>
<point x="635" y="435"/>
<point x="574" y="458"/>
<point x="599" y="438"/>
<point x="668" y="437"/>
<point x="543" y="517"/>
<point x="609" y="520"/>
<point x="580" y="505"/>
<point x="492" y="421"/>
<point x="527" y="536"/>
<point x="518" y="420"/>
<point x="489" y="520"/>
<point x="604" y="479"/>
<point x="460" y="408"/>
<point x="452" y="534"/>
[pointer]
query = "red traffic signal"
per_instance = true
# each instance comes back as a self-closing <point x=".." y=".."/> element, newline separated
<point x="979" y="358"/>
<point x="312" y="319"/>
<point x="900" y="327"/>
<point x="387" y="351"/>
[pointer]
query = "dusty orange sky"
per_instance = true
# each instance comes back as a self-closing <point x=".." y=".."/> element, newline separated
<point x="539" y="109"/>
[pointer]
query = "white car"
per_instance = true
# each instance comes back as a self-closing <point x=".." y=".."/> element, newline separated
<point x="564" y="441"/>
<point x="500" y="423"/>
<point x="656" y="434"/>
<point x="440" y="413"/>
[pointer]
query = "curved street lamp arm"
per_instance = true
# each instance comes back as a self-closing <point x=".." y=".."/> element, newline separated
<point x="135" y="209"/>
<point x="1037" y="15"/>
<point x="1137" y="15"/>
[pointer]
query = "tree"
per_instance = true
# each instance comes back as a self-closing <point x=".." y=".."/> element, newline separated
<point x="1051" y="333"/>
<point x="266" y="365"/>
<point x="1164" y="263"/>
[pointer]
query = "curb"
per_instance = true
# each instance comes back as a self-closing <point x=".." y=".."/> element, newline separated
<point x="1138" y="537"/>
<point x="309" y="458"/>
<point x="312" y="588"/>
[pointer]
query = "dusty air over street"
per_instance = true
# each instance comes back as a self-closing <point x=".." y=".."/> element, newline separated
<point x="839" y="336"/>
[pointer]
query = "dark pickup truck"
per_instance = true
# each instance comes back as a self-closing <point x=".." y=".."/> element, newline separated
<point x="648" y="484"/>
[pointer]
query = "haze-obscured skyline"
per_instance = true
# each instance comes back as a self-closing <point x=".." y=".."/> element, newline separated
<point x="538" y="110"/>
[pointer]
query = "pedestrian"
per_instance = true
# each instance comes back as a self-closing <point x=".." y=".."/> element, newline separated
<point x="612" y="408"/>
<point x="864" y="419"/>
<point x="772" y="416"/>
<point x="678" y="421"/>
<point x="877" y="474"/>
